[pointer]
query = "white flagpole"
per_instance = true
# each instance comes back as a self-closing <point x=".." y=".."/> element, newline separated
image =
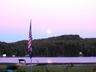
<point x="31" y="60"/>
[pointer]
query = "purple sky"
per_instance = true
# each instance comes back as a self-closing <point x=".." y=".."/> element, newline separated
<point x="49" y="18"/>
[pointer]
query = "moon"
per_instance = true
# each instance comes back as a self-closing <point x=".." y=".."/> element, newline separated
<point x="49" y="31"/>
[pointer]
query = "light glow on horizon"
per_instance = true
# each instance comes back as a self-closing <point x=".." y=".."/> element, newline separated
<point x="49" y="61"/>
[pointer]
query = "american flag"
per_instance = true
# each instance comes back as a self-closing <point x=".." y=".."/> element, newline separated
<point x="30" y="42"/>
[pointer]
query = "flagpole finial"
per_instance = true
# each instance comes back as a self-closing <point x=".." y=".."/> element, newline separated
<point x="30" y="20"/>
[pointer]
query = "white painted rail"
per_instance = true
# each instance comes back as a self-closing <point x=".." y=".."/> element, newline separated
<point x="49" y="59"/>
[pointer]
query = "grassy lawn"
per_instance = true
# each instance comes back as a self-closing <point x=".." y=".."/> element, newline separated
<point x="51" y="69"/>
<point x="58" y="69"/>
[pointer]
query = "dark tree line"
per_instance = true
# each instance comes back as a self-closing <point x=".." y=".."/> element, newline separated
<point x="61" y="46"/>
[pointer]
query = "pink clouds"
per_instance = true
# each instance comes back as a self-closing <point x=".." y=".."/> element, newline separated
<point x="61" y="17"/>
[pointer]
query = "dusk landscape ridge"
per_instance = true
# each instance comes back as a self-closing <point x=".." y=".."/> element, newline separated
<point x="60" y="46"/>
